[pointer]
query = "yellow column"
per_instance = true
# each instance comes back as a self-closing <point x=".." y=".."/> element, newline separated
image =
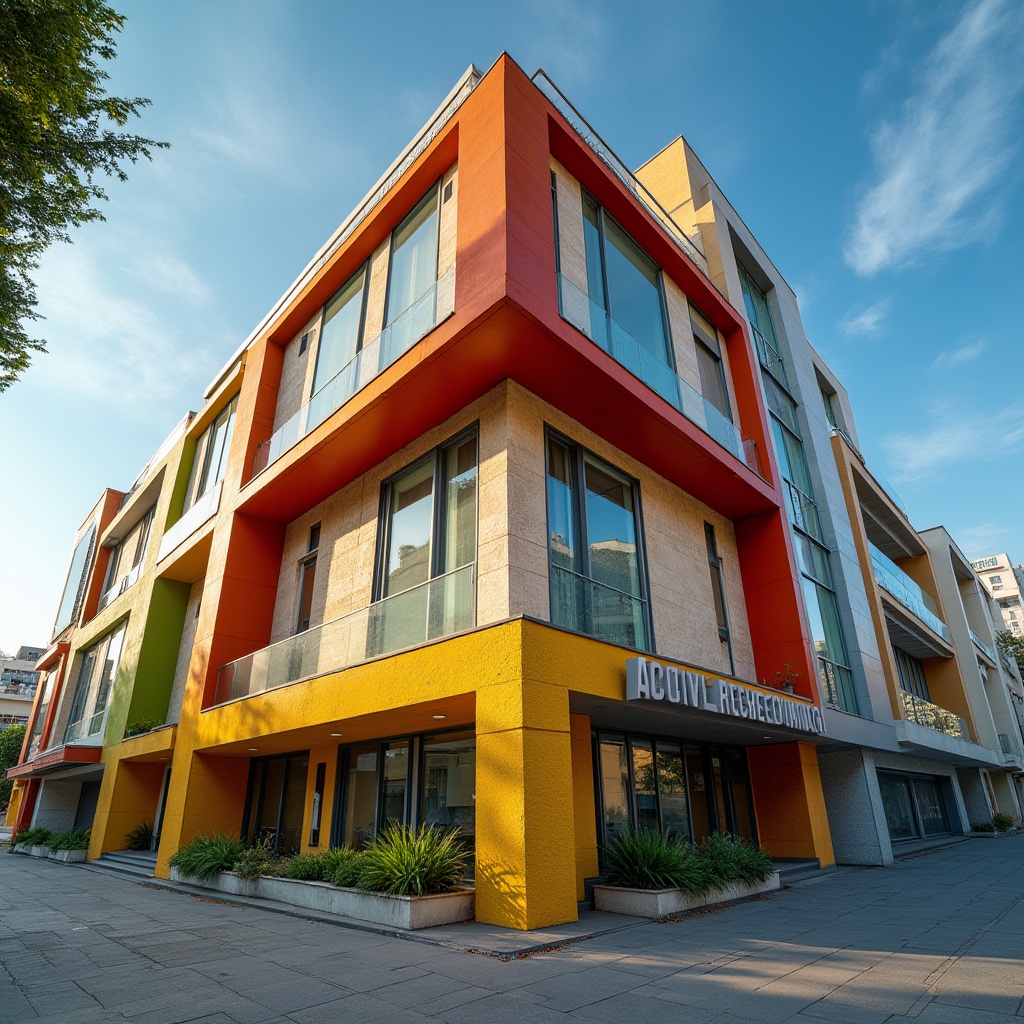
<point x="525" y="834"/>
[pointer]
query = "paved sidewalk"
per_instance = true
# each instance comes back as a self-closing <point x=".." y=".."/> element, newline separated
<point x="938" y="938"/>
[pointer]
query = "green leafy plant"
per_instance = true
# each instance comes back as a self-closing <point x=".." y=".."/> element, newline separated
<point x="73" y="839"/>
<point x="983" y="826"/>
<point x="261" y="859"/>
<point x="319" y="866"/>
<point x="1002" y="821"/>
<point x="730" y="859"/>
<point x="140" y="837"/>
<point x="347" y="868"/>
<point x="413" y="863"/>
<point x="206" y="856"/>
<point x="641" y="859"/>
<point x="141" y="726"/>
<point x="37" y="836"/>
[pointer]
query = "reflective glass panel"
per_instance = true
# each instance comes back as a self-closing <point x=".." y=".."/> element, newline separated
<point x="460" y="491"/>
<point x="561" y="518"/>
<point x="396" y="784"/>
<point x="361" y="797"/>
<point x="712" y="379"/>
<point x="413" y="257"/>
<point x="930" y="806"/>
<point x="448" y="796"/>
<point x="634" y="294"/>
<point x="409" y="535"/>
<point x="644" y="787"/>
<point x="339" y="335"/>
<point x="614" y="785"/>
<point x="899" y="812"/>
<point x="675" y="820"/>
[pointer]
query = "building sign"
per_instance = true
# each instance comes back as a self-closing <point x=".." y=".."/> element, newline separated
<point x="984" y="563"/>
<point x="650" y="680"/>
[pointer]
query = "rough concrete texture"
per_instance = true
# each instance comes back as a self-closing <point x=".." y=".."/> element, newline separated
<point x="937" y="938"/>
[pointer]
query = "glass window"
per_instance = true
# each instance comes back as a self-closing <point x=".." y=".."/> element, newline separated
<point x="211" y="457"/>
<point x="277" y="802"/>
<point x="911" y="674"/>
<point x="341" y="331"/>
<point x="597" y="585"/>
<point x="40" y="719"/>
<point x="614" y="769"/>
<point x="718" y="589"/>
<point x="413" y="257"/>
<point x="830" y="412"/>
<point x="92" y="690"/>
<point x="448" y="790"/>
<point x="74" y="586"/>
<point x="712" y="379"/>
<point x="425" y="583"/>
<point x="829" y="645"/>
<point x="126" y="558"/>
<point x="361" y="796"/>
<point x="899" y="811"/>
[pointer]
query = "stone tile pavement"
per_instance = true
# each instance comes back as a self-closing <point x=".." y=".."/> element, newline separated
<point x="937" y="939"/>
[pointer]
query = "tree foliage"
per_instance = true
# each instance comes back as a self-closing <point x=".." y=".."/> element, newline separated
<point x="59" y="144"/>
<point x="11" y="740"/>
<point x="1010" y="643"/>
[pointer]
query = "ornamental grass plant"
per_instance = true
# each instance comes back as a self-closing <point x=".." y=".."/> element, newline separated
<point x="37" y="836"/>
<point x="206" y="856"/>
<point x="347" y="865"/>
<point x="729" y="859"/>
<point x="140" y="837"/>
<point x="72" y="839"/>
<point x="258" y="860"/>
<point x="404" y="862"/>
<point x="320" y="866"/>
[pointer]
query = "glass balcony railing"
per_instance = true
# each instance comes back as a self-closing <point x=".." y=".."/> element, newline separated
<point x="838" y="683"/>
<point x="923" y="712"/>
<point x="430" y="611"/>
<point x="1008" y="745"/>
<point x="85" y="728"/>
<point x="116" y="589"/>
<point x="981" y="645"/>
<point x="576" y="306"/>
<point x="891" y="578"/>
<point x="586" y="606"/>
<point x="768" y="357"/>
<point x="426" y="312"/>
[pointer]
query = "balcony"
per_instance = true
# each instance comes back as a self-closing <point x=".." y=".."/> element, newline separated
<point x="426" y="312"/>
<point x="838" y="683"/>
<point x="576" y="306"/>
<point x="1008" y="745"/>
<point x="931" y="716"/>
<point x="768" y="357"/>
<point x="86" y="729"/>
<point x="116" y="589"/>
<point x="803" y="511"/>
<point x="438" y="608"/>
<point x="983" y="647"/>
<point x="586" y="606"/>
<point x="891" y="578"/>
<point x="198" y="515"/>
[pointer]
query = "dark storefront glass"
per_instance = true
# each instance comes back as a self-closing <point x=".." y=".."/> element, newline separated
<point x="277" y="801"/>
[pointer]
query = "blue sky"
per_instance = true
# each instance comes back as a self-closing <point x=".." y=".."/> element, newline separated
<point x="873" y="148"/>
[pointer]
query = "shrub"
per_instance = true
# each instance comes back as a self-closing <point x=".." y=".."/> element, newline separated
<point x="729" y="859"/>
<point x="640" y="859"/>
<point x="319" y="866"/>
<point x="407" y="863"/>
<point x="140" y="837"/>
<point x="205" y="856"/>
<point x="141" y="726"/>
<point x="983" y="826"/>
<point x="258" y="860"/>
<point x="1002" y="821"/>
<point x="37" y="836"/>
<point x="73" y="839"/>
<point x="346" y="870"/>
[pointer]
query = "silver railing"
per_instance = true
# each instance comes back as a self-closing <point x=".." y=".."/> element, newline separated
<point x="585" y="605"/>
<point x="930" y="715"/>
<point x="435" y="609"/>
<point x="838" y="683"/>
<point x="981" y="645"/>
<point x="768" y="357"/>
<point x="589" y="317"/>
<point x="85" y="728"/>
<point x="892" y="578"/>
<point x="640" y="192"/>
<point x="425" y="313"/>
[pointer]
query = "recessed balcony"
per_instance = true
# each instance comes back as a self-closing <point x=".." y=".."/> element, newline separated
<point x="438" y="608"/>
<point x="931" y="716"/>
<point x="892" y="579"/>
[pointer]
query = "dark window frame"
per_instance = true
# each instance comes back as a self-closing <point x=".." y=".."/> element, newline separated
<point x="365" y="269"/>
<point x="437" y="190"/>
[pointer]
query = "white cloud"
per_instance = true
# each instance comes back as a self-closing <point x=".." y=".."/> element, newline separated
<point x="940" y="164"/>
<point x="964" y="354"/>
<point x="982" y="540"/>
<point x="571" y="41"/>
<point x="865" y="321"/>
<point x="958" y="435"/>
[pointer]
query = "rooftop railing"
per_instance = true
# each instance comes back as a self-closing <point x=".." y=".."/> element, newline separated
<point x="640" y="192"/>
<point x="438" y="608"/>
<point x="425" y="313"/>
<point x="931" y="716"/>
<point x="891" y="578"/>
<point x="591" y="319"/>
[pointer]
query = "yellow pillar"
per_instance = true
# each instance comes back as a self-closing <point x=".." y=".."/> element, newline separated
<point x="525" y="834"/>
<point x="584" y="809"/>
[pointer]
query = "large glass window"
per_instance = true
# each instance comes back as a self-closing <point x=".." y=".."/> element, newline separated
<point x="718" y="590"/>
<point x="709" y="363"/>
<point x="911" y="674"/>
<point x="413" y="270"/>
<point x="914" y="805"/>
<point x="126" y="558"/>
<point x="425" y="583"/>
<point x="43" y="707"/>
<point x="277" y="802"/>
<point x="74" y="586"/>
<point x="92" y="690"/>
<point x="341" y="329"/>
<point x="598" y="583"/>
<point x="760" y="319"/>
<point x="211" y="458"/>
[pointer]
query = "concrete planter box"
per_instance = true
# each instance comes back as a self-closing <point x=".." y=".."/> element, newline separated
<point x="39" y="851"/>
<point x="406" y="912"/>
<point x="656" y="903"/>
<point x="22" y="848"/>
<point x="68" y="856"/>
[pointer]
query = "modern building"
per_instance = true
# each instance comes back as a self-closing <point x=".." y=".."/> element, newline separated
<point x="1005" y="582"/>
<point x="499" y="446"/>
<point x="903" y="760"/>
<point x="18" y="681"/>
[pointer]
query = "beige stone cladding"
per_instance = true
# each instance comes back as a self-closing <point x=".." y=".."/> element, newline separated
<point x="297" y="372"/>
<point x="188" y="635"/>
<point x="512" y="553"/>
<point x="685" y="626"/>
<point x="449" y="221"/>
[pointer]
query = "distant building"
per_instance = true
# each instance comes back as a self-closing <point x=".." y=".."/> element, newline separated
<point x="18" y="682"/>
<point x="1004" y="581"/>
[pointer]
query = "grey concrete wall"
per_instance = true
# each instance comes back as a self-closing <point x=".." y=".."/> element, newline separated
<point x="57" y="805"/>
<point x="856" y="818"/>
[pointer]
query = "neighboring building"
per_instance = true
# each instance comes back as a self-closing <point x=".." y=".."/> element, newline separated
<point x="18" y="682"/>
<point x="903" y="761"/>
<point x="1005" y="582"/>
<point x="501" y="439"/>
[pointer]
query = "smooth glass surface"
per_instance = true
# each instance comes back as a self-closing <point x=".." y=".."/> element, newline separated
<point x="634" y="294"/>
<point x="700" y="809"/>
<point x="448" y="796"/>
<point x="611" y="529"/>
<point x="40" y="720"/>
<point x="289" y="838"/>
<point x="561" y="505"/>
<point x="413" y="257"/>
<point x="73" y="583"/>
<point x="339" y="335"/>
<point x="712" y="379"/>
<point x="411" y="504"/>
<point x="307" y="577"/>
<point x="361" y="796"/>
<point x="930" y="807"/>
<point x="614" y="786"/>
<point x="92" y="692"/>
<point x="675" y="819"/>
<point x="394" y="799"/>
<point x="911" y="673"/>
<point x="644" y="786"/>
<point x="899" y="811"/>
<point x="827" y="633"/>
<point x="757" y="310"/>
<point x="215" y="463"/>
<point x="460" y="476"/>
